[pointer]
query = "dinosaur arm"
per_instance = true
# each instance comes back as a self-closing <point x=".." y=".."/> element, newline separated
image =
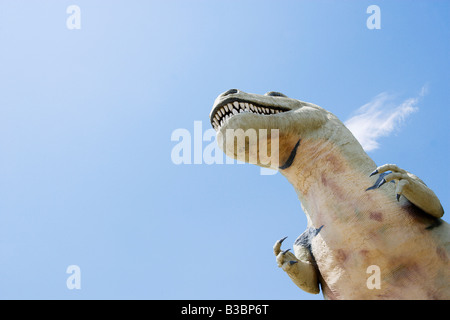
<point x="299" y="267"/>
<point x="412" y="188"/>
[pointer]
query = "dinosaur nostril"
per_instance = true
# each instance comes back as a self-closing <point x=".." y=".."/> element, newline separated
<point x="231" y="91"/>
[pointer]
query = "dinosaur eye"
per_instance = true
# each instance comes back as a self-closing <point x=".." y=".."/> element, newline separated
<point x="275" y="94"/>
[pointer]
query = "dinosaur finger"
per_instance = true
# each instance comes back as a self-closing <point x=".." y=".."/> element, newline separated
<point x="284" y="257"/>
<point x="396" y="176"/>
<point x="389" y="167"/>
<point x="392" y="176"/>
<point x="277" y="246"/>
<point x="399" y="189"/>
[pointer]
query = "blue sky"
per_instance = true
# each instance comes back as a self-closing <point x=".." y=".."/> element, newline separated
<point x="86" y="117"/>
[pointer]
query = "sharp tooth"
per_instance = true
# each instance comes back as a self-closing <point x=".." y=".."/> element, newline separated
<point x="247" y="107"/>
<point x="226" y="108"/>
<point x="219" y="112"/>
<point x="272" y="111"/>
<point x="242" y="105"/>
<point x="259" y="109"/>
<point x="221" y="122"/>
<point x="240" y="110"/>
<point x="252" y="107"/>
<point x="230" y="107"/>
<point x="216" y="122"/>
<point x="235" y="111"/>
<point x="236" y="104"/>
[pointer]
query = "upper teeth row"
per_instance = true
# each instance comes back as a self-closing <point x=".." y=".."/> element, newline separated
<point x="238" y="107"/>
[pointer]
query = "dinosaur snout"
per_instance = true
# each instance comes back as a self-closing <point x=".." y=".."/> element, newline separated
<point x="231" y="91"/>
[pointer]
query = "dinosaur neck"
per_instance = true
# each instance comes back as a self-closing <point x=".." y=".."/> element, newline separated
<point x="327" y="175"/>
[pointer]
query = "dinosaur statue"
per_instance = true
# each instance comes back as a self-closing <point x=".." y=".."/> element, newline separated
<point x="356" y="219"/>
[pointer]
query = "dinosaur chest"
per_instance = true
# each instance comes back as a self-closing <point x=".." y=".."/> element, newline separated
<point x="377" y="254"/>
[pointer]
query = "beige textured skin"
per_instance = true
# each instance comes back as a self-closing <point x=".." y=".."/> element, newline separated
<point x="406" y="239"/>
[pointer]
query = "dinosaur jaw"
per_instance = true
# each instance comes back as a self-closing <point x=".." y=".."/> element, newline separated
<point x="235" y="104"/>
<point x="233" y="107"/>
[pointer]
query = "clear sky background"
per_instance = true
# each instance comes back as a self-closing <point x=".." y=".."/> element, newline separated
<point x="86" y="117"/>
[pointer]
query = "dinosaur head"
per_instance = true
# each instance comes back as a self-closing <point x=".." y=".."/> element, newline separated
<point x="272" y="117"/>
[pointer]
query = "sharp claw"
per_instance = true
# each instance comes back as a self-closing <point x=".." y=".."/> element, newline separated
<point x="373" y="173"/>
<point x="381" y="183"/>
<point x="398" y="197"/>
<point x="292" y="262"/>
<point x="281" y="240"/>
<point x="285" y="251"/>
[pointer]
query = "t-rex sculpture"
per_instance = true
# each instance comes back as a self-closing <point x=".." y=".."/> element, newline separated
<point x="357" y="222"/>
